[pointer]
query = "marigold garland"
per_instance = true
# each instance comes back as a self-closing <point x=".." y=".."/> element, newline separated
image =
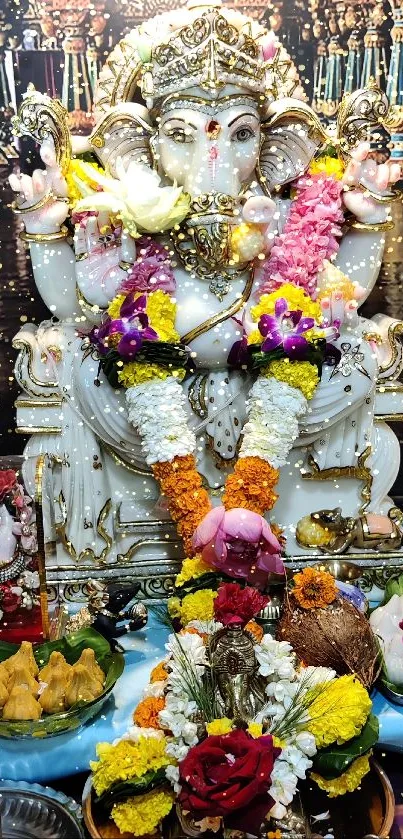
<point x="314" y="589"/>
<point x="138" y="372"/>
<point x="188" y="502"/>
<point x="251" y="486"/>
<point x="348" y="781"/>
<point x="300" y="374"/>
<point x="146" y="713"/>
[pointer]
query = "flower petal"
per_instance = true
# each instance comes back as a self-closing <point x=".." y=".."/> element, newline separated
<point x="207" y="529"/>
<point x="280" y="307"/>
<point x="243" y="524"/>
<point x="295" y="346"/>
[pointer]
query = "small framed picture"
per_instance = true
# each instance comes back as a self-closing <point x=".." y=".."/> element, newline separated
<point x="23" y="602"/>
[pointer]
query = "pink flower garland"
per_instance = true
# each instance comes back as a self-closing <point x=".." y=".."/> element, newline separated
<point x="309" y="236"/>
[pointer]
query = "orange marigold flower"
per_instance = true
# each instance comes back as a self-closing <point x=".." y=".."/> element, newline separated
<point x="159" y="673"/>
<point x="314" y="589"/>
<point x="251" y="485"/>
<point x="256" y="630"/>
<point x="146" y="713"/>
<point x="278" y="532"/>
<point x="181" y="463"/>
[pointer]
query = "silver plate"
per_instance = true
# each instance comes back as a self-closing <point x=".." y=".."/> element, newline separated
<point x="396" y="698"/>
<point x="34" y="812"/>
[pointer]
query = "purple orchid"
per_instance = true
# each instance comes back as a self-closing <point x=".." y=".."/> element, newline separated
<point x="131" y="329"/>
<point x="285" y="329"/>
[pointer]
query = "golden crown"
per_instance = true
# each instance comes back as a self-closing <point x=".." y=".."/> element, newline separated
<point x="207" y="46"/>
<point x="209" y="53"/>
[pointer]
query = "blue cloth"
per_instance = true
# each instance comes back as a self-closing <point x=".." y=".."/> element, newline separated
<point x="55" y="757"/>
<point x="67" y="754"/>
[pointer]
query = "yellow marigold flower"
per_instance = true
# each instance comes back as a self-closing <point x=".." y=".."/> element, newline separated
<point x="161" y="310"/>
<point x="222" y="726"/>
<point x="348" y="781"/>
<point x="198" y="606"/>
<point x="338" y="711"/>
<point x="278" y="742"/>
<point x="297" y="300"/>
<point x="330" y="166"/>
<point x="192" y="569"/>
<point x="141" y="814"/>
<point x="114" y="306"/>
<point x="138" y="372"/>
<point x="255" y="729"/>
<point x="126" y="760"/>
<point x="77" y="173"/>
<point x="299" y="374"/>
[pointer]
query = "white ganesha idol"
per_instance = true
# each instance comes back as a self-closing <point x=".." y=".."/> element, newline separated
<point x="207" y="361"/>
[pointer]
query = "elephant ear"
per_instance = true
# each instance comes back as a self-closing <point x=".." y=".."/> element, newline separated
<point x="292" y="134"/>
<point x="125" y="132"/>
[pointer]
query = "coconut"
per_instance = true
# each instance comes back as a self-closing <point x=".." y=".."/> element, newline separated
<point x="337" y="636"/>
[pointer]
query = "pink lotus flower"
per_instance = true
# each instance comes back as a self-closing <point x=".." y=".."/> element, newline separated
<point x="239" y="543"/>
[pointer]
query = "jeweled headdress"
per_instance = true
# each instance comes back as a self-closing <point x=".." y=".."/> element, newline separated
<point x="207" y="46"/>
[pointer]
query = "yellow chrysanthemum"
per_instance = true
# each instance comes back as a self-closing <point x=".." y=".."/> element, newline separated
<point x="198" y="606"/>
<point x="114" y="306"/>
<point x="255" y="337"/>
<point x="255" y="729"/>
<point x="300" y="374"/>
<point x="338" y="711"/>
<point x="141" y="814"/>
<point x="161" y="310"/>
<point x="330" y="166"/>
<point x="192" y="569"/>
<point x="222" y="726"/>
<point x="138" y="372"/>
<point x="297" y="300"/>
<point x="126" y="760"/>
<point x="76" y="173"/>
<point x="348" y="781"/>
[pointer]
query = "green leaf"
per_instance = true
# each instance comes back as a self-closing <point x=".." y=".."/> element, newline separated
<point x="121" y="790"/>
<point x="394" y="586"/>
<point x="390" y="685"/>
<point x="335" y="760"/>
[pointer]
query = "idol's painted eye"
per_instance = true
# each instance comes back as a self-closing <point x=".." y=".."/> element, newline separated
<point x="243" y="134"/>
<point x="178" y="133"/>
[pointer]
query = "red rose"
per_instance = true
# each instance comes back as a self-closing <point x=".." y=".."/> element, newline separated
<point x="234" y="604"/>
<point x="229" y="776"/>
<point x="9" y="600"/>
<point x="8" y="480"/>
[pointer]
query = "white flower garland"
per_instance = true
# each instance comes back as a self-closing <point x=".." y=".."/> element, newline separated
<point x="157" y="410"/>
<point x="273" y="411"/>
